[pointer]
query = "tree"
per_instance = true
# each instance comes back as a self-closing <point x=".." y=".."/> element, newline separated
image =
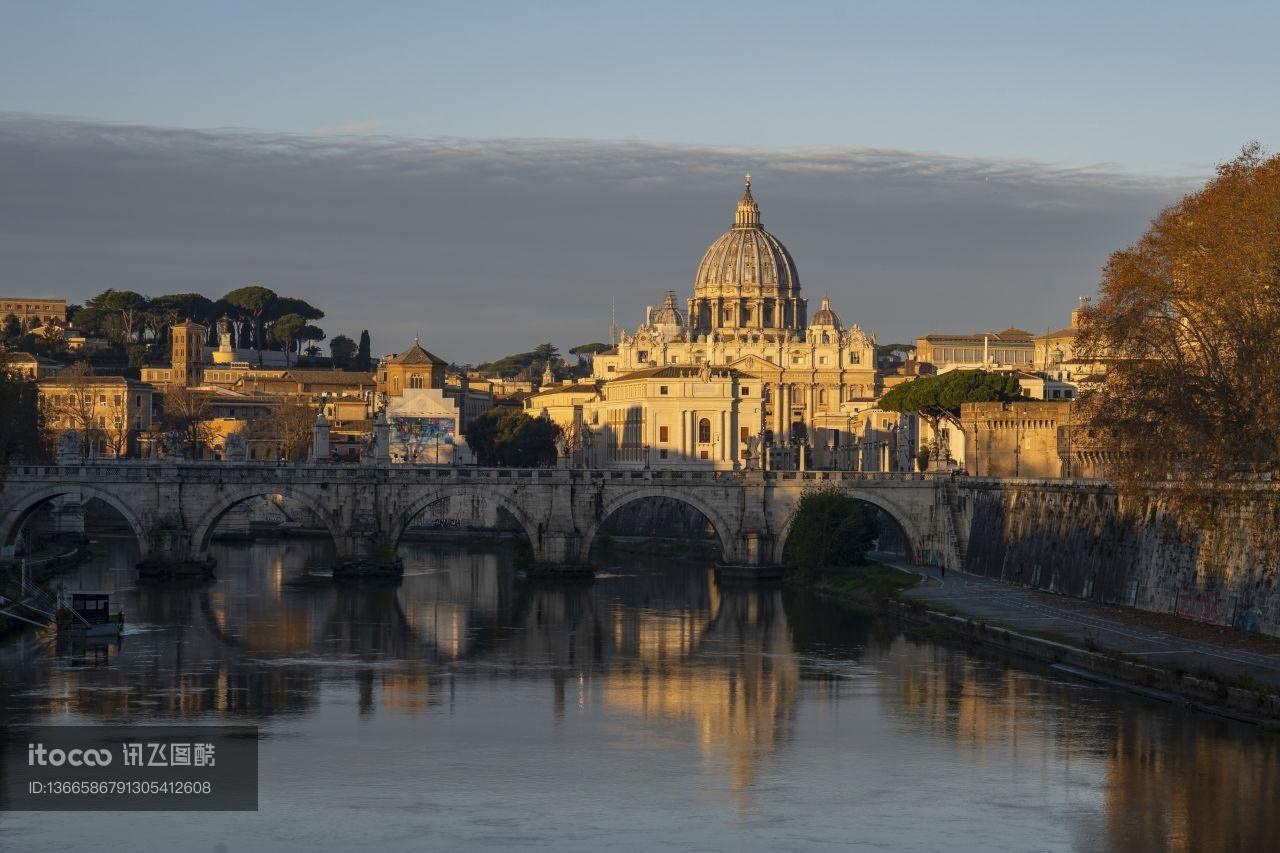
<point x="311" y="334"/>
<point x="170" y="309"/>
<point x="292" y="426"/>
<point x="586" y="353"/>
<point x="74" y="406"/>
<point x="186" y="412"/>
<point x="22" y="433"/>
<point x="286" y="330"/>
<point x="1187" y="323"/>
<point x="546" y="352"/>
<point x="511" y="365"/>
<point x="255" y="304"/>
<point x="343" y="351"/>
<point x="364" y="355"/>
<point x="509" y="438"/>
<point x="12" y="329"/>
<point x="937" y="399"/>
<point x="117" y="315"/>
<point x="830" y="530"/>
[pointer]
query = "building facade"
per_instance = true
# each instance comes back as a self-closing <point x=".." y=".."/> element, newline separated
<point x="1017" y="439"/>
<point x="34" y="311"/>
<point x="806" y="380"/>
<point x="108" y="414"/>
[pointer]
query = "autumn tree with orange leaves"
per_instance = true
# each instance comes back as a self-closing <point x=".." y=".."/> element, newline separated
<point x="1188" y="325"/>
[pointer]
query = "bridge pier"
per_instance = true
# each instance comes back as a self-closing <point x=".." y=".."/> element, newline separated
<point x="752" y="561"/>
<point x="67" y="514"/>
<point x="368" y="552"/>
<point x="169" y="556"/>
<point x="367" y="558"/>
<point x="559" y="556"/>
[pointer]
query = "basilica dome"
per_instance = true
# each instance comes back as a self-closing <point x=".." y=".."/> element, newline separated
<point x="824" y="316"/>
<point x="747" y="279"/>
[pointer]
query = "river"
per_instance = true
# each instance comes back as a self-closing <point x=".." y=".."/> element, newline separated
<point x="468" y="707"/>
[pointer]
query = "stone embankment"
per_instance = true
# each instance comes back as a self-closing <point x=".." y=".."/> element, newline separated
<point x="1224" y="671"/>
<point x="1079" y="538"/>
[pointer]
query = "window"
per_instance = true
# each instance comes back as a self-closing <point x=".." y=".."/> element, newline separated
<point x="663" y="433"/>
<point x="662" y="389"/>
<point x="662" y="454"/>
<point x="702" y="454"/>
<point x="395" y="384"/>
<point x="118" y="401"/>
<point x="608" y="369"/>
<point x="745" y="434"/>
<point x="746" y="390"/>
<point x="415" y="380"/>
<point x="822" y="396"/>
<point x="853" y="358"/>
<point x="797" y="359"/>
<point x="102" y="398"/>
<point x="822" y="359"/>
<point x="704" y="431"/>
<point x="643" y="355"/>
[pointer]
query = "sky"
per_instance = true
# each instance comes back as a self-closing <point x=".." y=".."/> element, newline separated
<point x="492" y="176"/>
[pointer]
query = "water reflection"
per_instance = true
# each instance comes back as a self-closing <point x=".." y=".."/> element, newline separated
<point x="787" y="710"/>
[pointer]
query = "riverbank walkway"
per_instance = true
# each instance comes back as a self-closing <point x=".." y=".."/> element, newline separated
<point x="1154" y="638"/>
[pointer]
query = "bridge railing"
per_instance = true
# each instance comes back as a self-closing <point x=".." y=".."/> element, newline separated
<point x="141" y="470"/>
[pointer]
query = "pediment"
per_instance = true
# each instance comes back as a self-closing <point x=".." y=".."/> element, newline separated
<point x="756" y="365"/>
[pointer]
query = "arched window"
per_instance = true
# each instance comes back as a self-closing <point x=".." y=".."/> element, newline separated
<point x="415" y="380"/>
<point x="395" y="384"/>
<point x="704" y="431"/>
<point x="822" y="396"/>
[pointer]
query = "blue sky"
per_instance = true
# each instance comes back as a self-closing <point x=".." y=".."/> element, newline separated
<point x="494" y="175"/>
<point x="1168" y="87"/>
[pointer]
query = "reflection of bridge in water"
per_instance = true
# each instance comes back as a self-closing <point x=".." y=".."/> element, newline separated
<point x="664" y="645"/>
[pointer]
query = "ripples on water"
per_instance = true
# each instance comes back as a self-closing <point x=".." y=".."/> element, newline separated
<point x="465" y="706"/>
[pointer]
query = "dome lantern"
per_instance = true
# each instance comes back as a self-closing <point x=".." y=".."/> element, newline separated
<point x="748" y="215"/>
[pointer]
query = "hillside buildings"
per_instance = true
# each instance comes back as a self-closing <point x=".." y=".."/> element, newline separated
<point x="34" y="311"/>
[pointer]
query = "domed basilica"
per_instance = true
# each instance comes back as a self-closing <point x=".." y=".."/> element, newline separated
<point x="741" y="372"/>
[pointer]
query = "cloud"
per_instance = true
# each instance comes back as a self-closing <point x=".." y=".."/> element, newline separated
<point x="487" y="247"/>
<point x="358" y="128"/>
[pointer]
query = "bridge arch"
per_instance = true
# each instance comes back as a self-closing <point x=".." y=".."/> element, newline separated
<point x="722" y="526"/>
<point x="202" y="532"/>
<point x="910" y="535"/>
<point x="420" y="501"/>
<point x="12" y="520"/>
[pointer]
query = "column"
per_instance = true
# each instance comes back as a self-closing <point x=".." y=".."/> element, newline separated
<point x="778" y="405"/>
<point x="725" y="438"/>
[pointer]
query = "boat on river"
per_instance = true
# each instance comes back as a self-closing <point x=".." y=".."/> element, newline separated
<point x="89" y="615"/>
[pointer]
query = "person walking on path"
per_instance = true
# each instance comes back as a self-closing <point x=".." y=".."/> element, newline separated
<point x="942" y="570"/>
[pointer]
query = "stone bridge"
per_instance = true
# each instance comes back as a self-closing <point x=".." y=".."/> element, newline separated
<point x="174" y="507"/>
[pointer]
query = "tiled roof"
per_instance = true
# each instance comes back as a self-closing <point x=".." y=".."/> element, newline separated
<point x="416" y="355"/>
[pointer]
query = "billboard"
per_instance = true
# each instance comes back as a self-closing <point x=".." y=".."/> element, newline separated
<point x="416" y="431"/>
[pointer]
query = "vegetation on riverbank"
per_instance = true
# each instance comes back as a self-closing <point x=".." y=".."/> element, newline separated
<point x="869" y="584"/>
